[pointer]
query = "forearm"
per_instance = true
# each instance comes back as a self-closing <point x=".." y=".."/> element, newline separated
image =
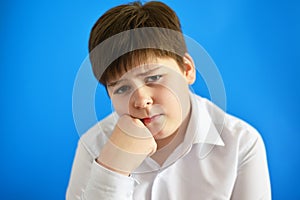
<point x="91" y="181"/>
<point x="106" y="184"/>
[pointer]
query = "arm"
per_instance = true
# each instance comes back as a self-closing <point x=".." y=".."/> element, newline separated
<point x="89" y="180"/>
<point x="107" y="177"/>
<point x="80" y="172"/>
<point x="252" y="182"/>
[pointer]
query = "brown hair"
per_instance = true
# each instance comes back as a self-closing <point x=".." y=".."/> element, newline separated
<point x="129" y="17"/>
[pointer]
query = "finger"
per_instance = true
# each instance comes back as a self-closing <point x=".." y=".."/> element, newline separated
<point x="133" y="127"/>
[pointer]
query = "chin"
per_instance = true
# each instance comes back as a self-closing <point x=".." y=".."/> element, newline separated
<point x="162" y="135"/>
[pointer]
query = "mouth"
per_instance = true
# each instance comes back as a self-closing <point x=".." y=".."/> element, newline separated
<point x="148" y="120"/>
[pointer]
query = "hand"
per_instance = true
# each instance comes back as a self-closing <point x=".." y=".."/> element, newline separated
<point x="130" y="143"/>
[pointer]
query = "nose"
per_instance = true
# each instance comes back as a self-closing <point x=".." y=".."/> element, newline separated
<point x="142" y="98"/>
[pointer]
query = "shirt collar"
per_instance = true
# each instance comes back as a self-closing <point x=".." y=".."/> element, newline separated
<point x="201" y="126"/>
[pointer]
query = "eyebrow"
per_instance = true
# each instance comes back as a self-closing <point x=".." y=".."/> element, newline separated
<point x="148" y="72"/>
<point x="114" y="83"/>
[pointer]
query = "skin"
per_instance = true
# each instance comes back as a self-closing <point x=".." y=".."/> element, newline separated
<point x="153" y="103"/>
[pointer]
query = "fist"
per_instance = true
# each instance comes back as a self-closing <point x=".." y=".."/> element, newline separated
<point x="130" y="143"/>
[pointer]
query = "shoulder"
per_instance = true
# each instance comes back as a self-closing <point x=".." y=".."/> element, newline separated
<point x="242" y="142"/>
<point x="233" y="130"/>
<point x="97" y="135"/>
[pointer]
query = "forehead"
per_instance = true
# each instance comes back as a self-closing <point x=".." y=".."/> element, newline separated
<point x="146" y="68"/>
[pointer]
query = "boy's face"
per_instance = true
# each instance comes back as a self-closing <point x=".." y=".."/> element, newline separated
<point x="157" y="93"/>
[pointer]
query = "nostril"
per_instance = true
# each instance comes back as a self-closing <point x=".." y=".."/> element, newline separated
<point x="143" y="103"/>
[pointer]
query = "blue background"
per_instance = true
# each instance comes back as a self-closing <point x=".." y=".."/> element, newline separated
<point x="255" y="45"/>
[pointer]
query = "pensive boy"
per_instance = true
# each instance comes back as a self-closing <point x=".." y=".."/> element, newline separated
<point x="162" y="141"/>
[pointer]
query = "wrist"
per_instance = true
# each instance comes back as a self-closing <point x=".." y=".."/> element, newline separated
<point x="110" y="168"/>
<point x="119" y="160"/>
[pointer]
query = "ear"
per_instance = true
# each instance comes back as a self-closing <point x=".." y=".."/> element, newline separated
<point x="189" y="68"/>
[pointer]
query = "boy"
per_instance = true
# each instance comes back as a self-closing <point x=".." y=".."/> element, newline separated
<point x="162" y="141"/>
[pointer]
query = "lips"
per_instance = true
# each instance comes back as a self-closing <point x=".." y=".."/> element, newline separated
<point x="149" y="120"/>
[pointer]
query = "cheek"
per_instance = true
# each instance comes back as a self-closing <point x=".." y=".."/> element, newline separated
<point x="177" y="96"/>
<point x="173" y="108"/>
<point x="120" y="104"/>
<point x="170" y="101"/>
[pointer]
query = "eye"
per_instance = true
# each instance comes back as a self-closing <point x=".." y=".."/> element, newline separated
<point x="151" y="79"/>
<point x="123" y="89"/>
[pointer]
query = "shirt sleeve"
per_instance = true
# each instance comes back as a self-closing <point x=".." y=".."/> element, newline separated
<point x="89" y="180"/>
<point x="252" y="180"/>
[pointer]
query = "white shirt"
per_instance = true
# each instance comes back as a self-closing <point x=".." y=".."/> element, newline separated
<point x="221" y="157"/>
